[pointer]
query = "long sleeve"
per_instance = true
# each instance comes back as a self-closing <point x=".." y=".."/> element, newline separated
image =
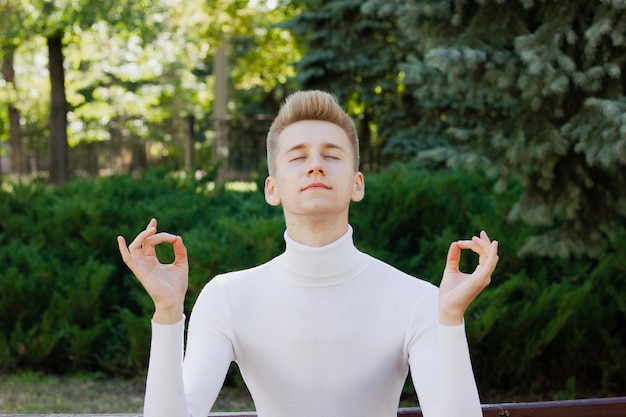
<point x="459" y="394"/>
<point x="165" y="393"/>
<point x="178" y="387"/>
<point x="209" y="350"/>
<point x="440" y="364"/>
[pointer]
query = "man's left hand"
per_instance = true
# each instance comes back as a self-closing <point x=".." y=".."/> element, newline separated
<point x="458" y="289"/>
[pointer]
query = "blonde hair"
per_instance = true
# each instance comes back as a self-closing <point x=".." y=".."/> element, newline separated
<point x="310" y="105"/>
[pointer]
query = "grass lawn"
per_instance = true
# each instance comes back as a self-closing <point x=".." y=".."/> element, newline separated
<point x="36" y="393"/>
<point x="33" y="393"/>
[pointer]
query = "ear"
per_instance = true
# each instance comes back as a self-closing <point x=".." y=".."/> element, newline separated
<point x="359" y="187"/>
<point x="271" y="192"/>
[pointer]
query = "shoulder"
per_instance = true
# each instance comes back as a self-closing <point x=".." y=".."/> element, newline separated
<point x="390" y="272"/>
<point x="227" y="290"/>
<point x="399" y="281"/>
<point x="239" y="281"/>
<point x="414" y="302"/>
<point x="243" y="275"/>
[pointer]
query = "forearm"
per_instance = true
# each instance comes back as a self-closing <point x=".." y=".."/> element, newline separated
<point x="459" y="394"/>
<point x="165" y="393"/>
<point x="209" y="351"/>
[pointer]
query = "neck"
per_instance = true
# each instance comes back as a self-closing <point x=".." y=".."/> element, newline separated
<point x="332" y="264"/>
<point x="316" y="232"/>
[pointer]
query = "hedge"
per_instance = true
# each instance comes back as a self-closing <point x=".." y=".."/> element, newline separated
<point x="68" y="303"/>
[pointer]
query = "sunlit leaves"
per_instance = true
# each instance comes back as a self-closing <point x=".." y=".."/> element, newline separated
<point x="143" y="59"/>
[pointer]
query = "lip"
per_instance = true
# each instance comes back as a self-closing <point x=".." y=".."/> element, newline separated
<point x="316" y="185"/>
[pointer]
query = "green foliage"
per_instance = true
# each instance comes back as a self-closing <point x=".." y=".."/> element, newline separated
<point x="68" y="301"/>
<point x="418" y="217"/>
<point x="532" y="90"/>
<point x="367" y="80"/>
<point x="557" y="324"/>
<point x="140" y="70"/>
<point x="70" y="304"/>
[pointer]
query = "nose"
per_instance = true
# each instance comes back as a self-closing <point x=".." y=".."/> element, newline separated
<point x="316" y="165"/>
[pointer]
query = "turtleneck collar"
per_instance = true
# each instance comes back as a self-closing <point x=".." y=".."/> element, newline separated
<point x="331" y="264"/>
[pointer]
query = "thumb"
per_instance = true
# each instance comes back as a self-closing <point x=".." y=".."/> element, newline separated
<point x="454" y="258"/>
<point x="180" y="252"/>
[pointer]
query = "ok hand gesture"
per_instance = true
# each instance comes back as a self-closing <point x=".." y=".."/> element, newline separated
<point x="457" y="289"/>
<point x="165" y="283"/>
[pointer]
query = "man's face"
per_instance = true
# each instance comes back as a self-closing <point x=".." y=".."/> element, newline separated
<point x="314" y="171"/>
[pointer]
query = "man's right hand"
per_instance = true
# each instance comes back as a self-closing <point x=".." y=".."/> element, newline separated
<point x="165" y="283"/>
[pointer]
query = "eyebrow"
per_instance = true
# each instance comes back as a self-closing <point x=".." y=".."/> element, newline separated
<point x="326" y="145"/>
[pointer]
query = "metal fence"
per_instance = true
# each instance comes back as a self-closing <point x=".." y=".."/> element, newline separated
<point x="235" y="144"/>
<point x="177" y="144"/>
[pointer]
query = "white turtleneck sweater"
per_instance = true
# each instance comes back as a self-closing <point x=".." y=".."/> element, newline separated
<point x="316" y="332"/>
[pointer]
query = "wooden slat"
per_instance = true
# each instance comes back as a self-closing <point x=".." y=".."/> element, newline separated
<point x="596" y="407"/>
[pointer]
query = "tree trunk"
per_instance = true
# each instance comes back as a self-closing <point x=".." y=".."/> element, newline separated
<point x="190" y="154"/>
<point x="139" y="158"/>
<point x="18" y="158"/>
<point x="220" y="112"/>
<point x="57" y="122"/>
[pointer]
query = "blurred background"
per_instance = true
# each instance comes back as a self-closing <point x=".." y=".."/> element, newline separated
<point x="503" y="115"/>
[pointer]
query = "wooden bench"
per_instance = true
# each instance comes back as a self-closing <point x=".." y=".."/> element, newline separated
<point x="596" y="407"/>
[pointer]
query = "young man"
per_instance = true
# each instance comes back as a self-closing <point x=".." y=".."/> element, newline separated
<point x="322" y="330"/>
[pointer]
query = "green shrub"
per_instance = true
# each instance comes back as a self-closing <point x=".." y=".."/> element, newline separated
<point x="409" y="218"/>
<point x="69" y="303"/>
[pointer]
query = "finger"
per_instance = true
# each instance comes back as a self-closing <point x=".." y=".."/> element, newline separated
<point x="485" y="269"/>
<point x="136" y="243"/>
<point x="180" y="252"/>
<point x="135" y="246"/>
<point x="151" y="241"/>
<point x="492" y="257"/>
<point x="465" y="244"/>
<point x="454" y="257"/>
<point x="121" y="244"/>
<point x="483" y="236"/>
<point x="477" y="245"/>
<point x="481" y="246"/>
